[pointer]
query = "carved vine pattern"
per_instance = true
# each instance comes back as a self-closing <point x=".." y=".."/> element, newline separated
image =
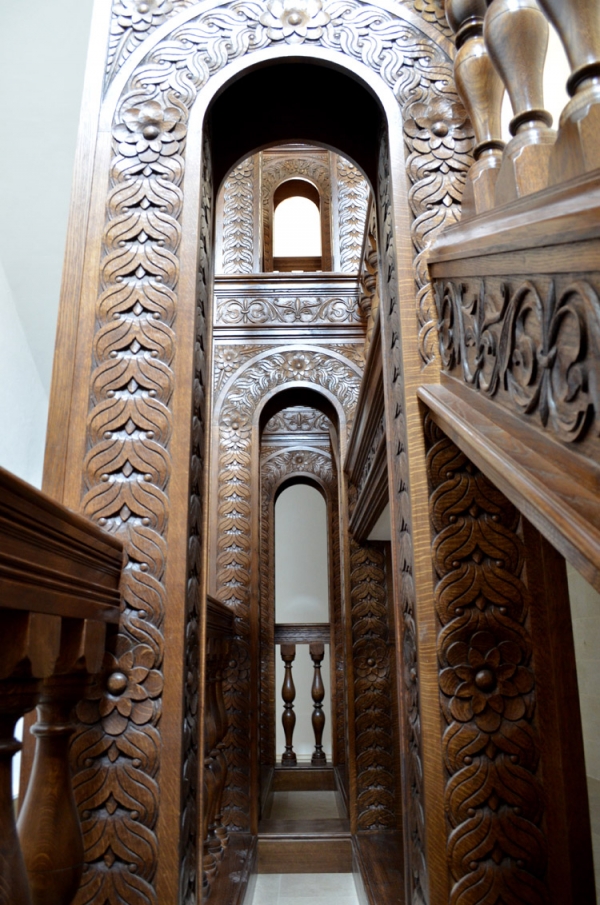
<point x="238" y="219"/>
<point x="369" y="274"/>
<point x="275" y="465"/>
<point x="353" y="196"/>
<point x="116" y="753"/>
<point x="373" y="687"/>
<point x="240" y="396"/>
<point x="413" y="802"/>
<point x="494" y="801"/>
<point x="532" y="344"/>
<point x="314" y="310"/>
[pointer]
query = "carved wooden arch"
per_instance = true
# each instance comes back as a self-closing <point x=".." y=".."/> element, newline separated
<point x="317" y="465"/>
<point x="139" y="331"/>
<point x="313" y="167"/>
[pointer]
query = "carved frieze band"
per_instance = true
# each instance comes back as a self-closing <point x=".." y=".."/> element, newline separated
<point x="494" y="800"/>
<point x="531" y="344"/>
<point x="238" y="219"/>
<point x="127" y="470"/>
<point x="353" y="196"/>
<point x="298" y="420"/>
<point x="289" y="309"/>
<point x="413" y="799"/>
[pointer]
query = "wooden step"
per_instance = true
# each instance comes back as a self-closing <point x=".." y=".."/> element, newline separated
<point x="303" y="779"/>
<point x="304" y="847"/>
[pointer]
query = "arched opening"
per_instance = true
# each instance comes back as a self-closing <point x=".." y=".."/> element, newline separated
<point x="296" y="228"/>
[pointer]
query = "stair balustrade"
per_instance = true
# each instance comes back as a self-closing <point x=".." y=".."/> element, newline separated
<point x="316" y="636"/>
<point x="59" y="592"/>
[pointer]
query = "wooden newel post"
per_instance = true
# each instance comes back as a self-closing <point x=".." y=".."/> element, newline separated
<point x="288" y="692"/>
<point x="317" y="652"/>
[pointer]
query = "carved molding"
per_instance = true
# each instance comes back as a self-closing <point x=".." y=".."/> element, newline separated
<point x="413" y="800"/>
<point x="531" y="344"/>
<point x="369" y="276"/>
<point x="353" y="196"/>
<point x="494" y="801"/>
<point x="128" y="462"/>
<point x="228" y="358"/>
<point x="297" y="420"/>
<point x="238" y="219"/>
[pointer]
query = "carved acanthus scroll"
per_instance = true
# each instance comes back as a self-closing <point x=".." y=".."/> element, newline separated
<point x="353" y="195"/>
<point x="238" y="219"/>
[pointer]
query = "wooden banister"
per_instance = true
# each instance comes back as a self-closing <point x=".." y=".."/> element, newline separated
<point x="59" y="589"/>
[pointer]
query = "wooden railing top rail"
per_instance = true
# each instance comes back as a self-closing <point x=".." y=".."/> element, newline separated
<point x="219" y="618"/>
<point x="52" y="560"/>
<point x="302" y="633"/>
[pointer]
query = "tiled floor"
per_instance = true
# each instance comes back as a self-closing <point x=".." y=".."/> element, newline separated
<point x="304" y="805"/>
<point x="305" y="889"/>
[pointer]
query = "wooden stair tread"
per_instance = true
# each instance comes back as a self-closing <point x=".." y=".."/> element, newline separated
<point x="333" y="828"/>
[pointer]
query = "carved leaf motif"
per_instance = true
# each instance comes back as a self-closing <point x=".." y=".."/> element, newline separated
<point x="238" y="219"/>
<point x="353" y="195"/>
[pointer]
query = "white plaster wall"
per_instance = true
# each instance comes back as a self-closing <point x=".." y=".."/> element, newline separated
<point x="43" y="48"/>
<point x="585" y="613"/>
<point x="302" y="595"/>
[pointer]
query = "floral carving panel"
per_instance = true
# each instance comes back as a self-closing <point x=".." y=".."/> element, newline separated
<point x="353" y="196"/>
<point x="531" y="344"/>
<point x="289" y="309"/>
<point x="494" y="801"/>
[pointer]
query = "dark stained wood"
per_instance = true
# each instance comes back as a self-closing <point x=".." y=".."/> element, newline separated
<point x="317" y="652"/>
<point x="556" y="492"/>
<point x="236" y="870"/>
<point x="59" y="587"/>
<point x="305" y="265"/>
<point x="288" y="692"/>
<point x="304" y="846"/>
<point x="378" y="868"/>
<point x="303" y="779"/>
<point x="302" y="633"/>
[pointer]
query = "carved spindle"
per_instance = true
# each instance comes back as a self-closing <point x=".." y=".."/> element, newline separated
<point x="49" y="826"/>
<point x="288" y="692"/>
<point x="223" y="726"/>
<point x="577" y="149"/>
<point x="481" y="91"/>
<point x="516" y="36"/>
<point x="317" y="652"/>
<point x="16" y="698"/>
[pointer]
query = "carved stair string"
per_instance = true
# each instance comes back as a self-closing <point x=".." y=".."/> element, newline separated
<point x="317" y="652"/>
<point x="288" y="692"/>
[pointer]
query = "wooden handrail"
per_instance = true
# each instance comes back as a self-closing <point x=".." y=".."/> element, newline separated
<point x="59" y="588"/>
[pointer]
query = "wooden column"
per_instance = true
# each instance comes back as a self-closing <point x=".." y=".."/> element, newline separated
<point x="288" y="692"/>
<point x="481" y="91"/>
<point x="317" y="652"/>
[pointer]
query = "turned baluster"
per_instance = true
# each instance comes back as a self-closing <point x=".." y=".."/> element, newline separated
<point x="516" y="36"/>
<point x="49" y="827"/>
<point x="288" y="692"/>
<point x="577" y="148"/>
<point x="16" y="698"/>
<point x="481" y="91"/>
<point x="223" y="726"/>
<point x="317" y="652"/>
